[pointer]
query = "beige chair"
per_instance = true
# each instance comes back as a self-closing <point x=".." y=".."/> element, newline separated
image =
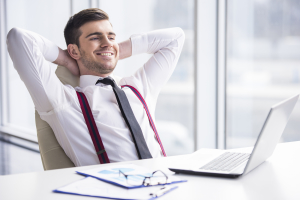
<point x="52" y="155"/>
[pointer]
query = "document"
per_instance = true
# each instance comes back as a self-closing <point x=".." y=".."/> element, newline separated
<point x="90" y="186"/>
<point x="131" y="176"/>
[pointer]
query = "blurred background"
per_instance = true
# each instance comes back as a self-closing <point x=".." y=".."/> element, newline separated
<point x="258" y="42"/>
<point x="263" y="66"/>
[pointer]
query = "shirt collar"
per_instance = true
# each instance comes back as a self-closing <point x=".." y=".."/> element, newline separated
<point x="88" y="80"/>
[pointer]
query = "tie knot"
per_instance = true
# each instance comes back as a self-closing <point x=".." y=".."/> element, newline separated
<point x="106" y="81"/>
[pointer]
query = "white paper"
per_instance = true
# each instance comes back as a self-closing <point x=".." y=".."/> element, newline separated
<point x="112" y="174"/>
<point x="93" y="187"/>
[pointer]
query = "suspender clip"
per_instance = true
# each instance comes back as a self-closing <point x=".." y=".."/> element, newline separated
<point x="100" y="152"/>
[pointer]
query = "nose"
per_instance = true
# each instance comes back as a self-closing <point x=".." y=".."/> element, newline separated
<point x="106" y="43"/>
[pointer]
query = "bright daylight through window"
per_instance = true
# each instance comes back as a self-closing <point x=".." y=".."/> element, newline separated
<point x="263" y="66"/>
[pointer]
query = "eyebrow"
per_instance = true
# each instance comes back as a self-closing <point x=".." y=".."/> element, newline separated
<point x="99" y="33"/>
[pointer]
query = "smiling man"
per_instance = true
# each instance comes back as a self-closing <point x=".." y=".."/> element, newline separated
<point x="122" y="125"/>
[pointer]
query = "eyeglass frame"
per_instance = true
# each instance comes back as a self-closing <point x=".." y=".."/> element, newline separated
<point x="145" y="178"/>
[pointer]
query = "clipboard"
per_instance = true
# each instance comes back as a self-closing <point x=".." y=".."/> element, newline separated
<point x="92" y="187"/>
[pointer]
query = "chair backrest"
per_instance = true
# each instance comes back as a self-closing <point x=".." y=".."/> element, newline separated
<point x="52" y="154"/>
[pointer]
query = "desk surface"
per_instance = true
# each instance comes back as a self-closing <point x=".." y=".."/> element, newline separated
<point x="277" y="178"/>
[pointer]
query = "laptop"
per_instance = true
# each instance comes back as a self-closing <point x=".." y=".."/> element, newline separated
<point x="232" y="164"/>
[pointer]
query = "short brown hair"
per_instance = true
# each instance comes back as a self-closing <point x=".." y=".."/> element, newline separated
<point x="72" y="32"/>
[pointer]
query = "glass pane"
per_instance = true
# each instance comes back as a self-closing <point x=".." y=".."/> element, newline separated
<point x="42" y="17"/>
<point x="263" y="66"/>
<point x="78" y="5"/>
<point x="20" y="157"/>
<point x="174" y="109"/>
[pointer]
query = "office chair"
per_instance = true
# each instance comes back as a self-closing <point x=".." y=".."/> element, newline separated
<point x="52" y="154"/>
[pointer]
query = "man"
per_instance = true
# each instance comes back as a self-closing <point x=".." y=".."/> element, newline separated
<point x="92" y="53"/>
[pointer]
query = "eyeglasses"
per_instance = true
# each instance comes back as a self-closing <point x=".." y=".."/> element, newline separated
<point x="157" y="178"/>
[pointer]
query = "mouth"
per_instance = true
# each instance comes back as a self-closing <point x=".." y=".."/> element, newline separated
<point x="105" y="54"/>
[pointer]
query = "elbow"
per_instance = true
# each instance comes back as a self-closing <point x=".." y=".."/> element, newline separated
<point x="180" y="36"/>
<point x="180" y="32"/>
<point x="13" y="36"/>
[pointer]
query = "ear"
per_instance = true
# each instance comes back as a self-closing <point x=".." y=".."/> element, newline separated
<point x="74" y="51"/>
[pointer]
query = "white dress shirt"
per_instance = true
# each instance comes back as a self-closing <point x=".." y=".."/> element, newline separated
<point x="58" y="104"/>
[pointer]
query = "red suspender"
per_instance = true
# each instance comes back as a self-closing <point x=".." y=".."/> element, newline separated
<point x="90" y="122"/>
<point x="136" y="92"/>
<point x="93" y="130"/>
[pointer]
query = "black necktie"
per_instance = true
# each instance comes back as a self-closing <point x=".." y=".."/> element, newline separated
<point x="133" y="125"/>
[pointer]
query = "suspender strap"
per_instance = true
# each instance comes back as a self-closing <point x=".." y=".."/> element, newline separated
<point x="136" y="92"/>
<point x="93" y="130"/>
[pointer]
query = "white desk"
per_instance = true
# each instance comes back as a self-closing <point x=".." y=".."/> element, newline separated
<point x="277" y="178"/>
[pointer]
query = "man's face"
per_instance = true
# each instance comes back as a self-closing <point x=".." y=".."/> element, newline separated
<point x="98" y="48"/>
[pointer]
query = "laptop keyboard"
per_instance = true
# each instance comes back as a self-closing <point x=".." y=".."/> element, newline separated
<point x="226" y="162"/>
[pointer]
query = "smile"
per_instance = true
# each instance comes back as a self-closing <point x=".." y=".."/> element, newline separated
<point x="105" y="54"/>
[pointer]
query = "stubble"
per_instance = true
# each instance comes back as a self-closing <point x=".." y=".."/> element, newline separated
<point x="96" y="66"/>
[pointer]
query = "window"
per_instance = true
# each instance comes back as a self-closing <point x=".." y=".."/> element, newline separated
<point x="174" y="109"/>
<point x="263" y="66"/>
<point x="175" y="106"/>
<point x="42" y="17"/>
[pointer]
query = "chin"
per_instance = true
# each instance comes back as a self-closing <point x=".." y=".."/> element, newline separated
<point x="107" y="69"/>
<point x="109" y="65"/>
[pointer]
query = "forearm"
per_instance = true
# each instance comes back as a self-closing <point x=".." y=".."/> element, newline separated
<point x="154" y="41"/>
<point x="125" y="49"/>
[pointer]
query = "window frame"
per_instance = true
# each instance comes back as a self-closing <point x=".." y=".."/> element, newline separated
<point x="221" y="70"/>
<point x="210" y="106"/>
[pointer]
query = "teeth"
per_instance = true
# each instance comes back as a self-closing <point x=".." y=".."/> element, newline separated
<point x="105" y="54"/>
